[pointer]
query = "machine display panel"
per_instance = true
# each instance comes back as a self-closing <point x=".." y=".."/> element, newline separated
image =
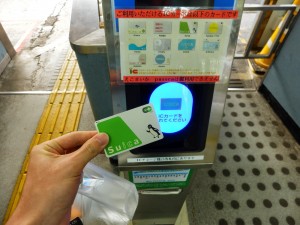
<point x="183" y="112"/>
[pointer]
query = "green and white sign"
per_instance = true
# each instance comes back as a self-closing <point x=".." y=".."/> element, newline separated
<point x="130" y="129"/>
<point x="156" y="179"/>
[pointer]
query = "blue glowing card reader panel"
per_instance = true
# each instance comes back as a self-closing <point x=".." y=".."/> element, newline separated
<point x="183" y="111"/>
<point x="173" y="103"/>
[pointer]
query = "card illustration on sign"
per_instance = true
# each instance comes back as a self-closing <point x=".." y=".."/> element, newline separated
<point x="162" y="59"/>
<point x="186" y="44"/>
<point x="162" y="27"/>
<point x="188" y="27"/>
<point x="130" y="129"/>
<point x="161" y="44"/>
<point x="137" y="44"/>
<point x="137" y="59"/>
<point x="213" y="27"/>
<point x="136" y="27"/>
<point x="211" y="45"/>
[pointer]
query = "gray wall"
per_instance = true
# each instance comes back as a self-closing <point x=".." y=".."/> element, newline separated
<point x="283" y="78"/>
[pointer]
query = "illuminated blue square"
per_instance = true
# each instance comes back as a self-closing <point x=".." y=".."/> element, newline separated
<point x="170" y="103"/>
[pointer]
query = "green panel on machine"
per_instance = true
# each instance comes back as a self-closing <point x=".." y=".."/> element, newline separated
<point x="157" y="179"/>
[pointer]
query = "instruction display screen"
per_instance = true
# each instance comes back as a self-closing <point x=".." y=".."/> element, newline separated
<point x="181" y="46"/>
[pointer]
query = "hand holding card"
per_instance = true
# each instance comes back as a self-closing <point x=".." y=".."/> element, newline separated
<point x="130" y="129"/>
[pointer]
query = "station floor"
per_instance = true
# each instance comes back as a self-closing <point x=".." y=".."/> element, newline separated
<point x="255" y="179"/>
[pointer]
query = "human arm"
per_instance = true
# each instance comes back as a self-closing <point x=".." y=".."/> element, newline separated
<point x="53" y="177"/>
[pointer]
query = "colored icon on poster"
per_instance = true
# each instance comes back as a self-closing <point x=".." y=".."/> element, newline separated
<point x="161" y="44"/>
<point x="137" y="44"/>
<point x="137" y="59"/>
<point x="213" y="27"/>
<point x="186" y="44"/>
<point x="162" y="27"/>
<point x="211" y="45"/>
<point x="162" y="59"/>
<point x="136" y="27"/>
<point x="188" y="27"/>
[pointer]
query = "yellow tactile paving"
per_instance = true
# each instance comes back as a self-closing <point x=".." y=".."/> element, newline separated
<point x="60" y="116"/>
<point x="43" y="119"/>
<point x="75" y="111"/>
<point x="19" y="192"/>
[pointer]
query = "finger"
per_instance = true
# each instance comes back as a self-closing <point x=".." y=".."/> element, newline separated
<point x="68" y="142"/>
<point x="90" y="149"/>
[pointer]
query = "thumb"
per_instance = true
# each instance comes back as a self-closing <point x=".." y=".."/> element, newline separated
<point x="90" y="149"/>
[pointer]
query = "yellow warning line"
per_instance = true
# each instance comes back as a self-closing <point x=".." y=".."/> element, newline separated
<point x="60" y="116"/>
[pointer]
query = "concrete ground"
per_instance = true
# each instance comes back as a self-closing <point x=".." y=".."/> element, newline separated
<point x="39" y="32"/>
<point x="255" y="179"/>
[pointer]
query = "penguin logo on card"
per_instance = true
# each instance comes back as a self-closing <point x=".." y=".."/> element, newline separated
<point x="154" y="131"/>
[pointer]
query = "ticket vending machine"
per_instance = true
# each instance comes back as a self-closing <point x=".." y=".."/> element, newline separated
<point x="177" y="55"/>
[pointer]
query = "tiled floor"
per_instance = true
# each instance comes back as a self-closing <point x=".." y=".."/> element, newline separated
<point x="255" y="178"/>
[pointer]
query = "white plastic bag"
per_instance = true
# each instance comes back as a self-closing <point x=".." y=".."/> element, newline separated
<point x="104" y="198"/>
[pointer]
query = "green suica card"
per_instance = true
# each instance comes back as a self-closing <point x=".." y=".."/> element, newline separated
<point x="130" y="129"/>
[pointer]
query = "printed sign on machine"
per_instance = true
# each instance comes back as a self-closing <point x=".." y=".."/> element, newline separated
<point x="161" y="49"/>
<point x="161" y="178"/>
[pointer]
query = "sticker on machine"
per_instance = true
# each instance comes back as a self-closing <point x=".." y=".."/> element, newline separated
<point x="155" y="176"/>
<point x="157" y="179"/>
<point x="130" y="129"/>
